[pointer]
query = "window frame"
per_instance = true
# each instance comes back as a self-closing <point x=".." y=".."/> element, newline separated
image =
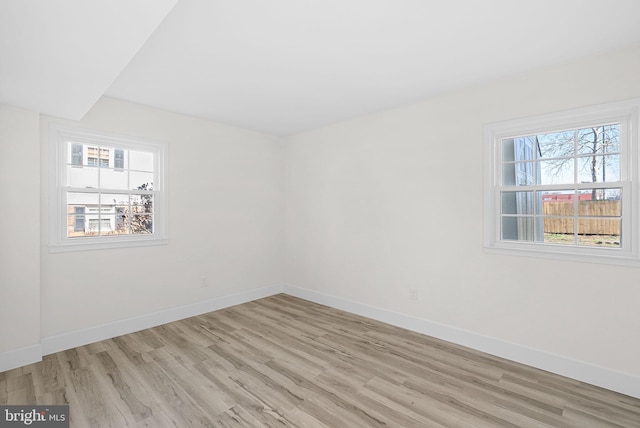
<point x="628" y="114"/>
<point x="59" y="136"/>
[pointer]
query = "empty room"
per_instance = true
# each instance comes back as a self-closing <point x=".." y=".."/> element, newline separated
<point x="290" y="213"/>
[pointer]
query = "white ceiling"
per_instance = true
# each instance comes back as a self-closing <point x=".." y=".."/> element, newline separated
<point x="285" y="66"/>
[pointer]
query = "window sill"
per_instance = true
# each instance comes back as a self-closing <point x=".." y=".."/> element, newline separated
<point x="610" y="256"/>
<point x="89" y="244"/>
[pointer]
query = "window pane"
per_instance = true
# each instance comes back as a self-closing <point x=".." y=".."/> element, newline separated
<point x="110" y="200"/>
<point x="508" y="154"/>
<point x="613" y="194"/>
<point x="558" y="203"/>
<point x="75" y="154"/>
<point x="611" y="138"/>
<point x="104" y="157"/>
<point x="81" y="200"/>
<point x="83" y="177"/>
<point x="556" y="144"/>
<point x="599" y="139"/>
<point x="599" y="169"/>
<point x="141" y="161"/>
<point x="509" y="174"/>
<point x="114" y="179"/>
<point x="519" y="174"/>
<point x="92" y="155"/>
<point x="557" y="171"/>
<point x="524" y="148"/>
<point x="559" y="211"/>
<point x="115" y="208"/>
<point x="518" y="149"/>
<point x="100" y="226"/>
<point x="600" y="203"/>
<point x="559" y="230"/>
<point x="141" y="180"/>
<point x="119" y="159"/>
<point x="519" y="203"/>
<point x="121" y="221"/>
<point x="81" y="207"/>
<point x="107" y="224"/>
<point x="79" y="219"/>
<point x="142" y="203"/>
<point x="141" y="224"/>
<point x="558" y="196"/>
<point x="599" y="232"/>
<point x="518" y="228"/>
<point x="76" y="225"/>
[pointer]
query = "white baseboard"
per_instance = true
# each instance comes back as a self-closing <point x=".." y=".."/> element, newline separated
<point x="85" y="336"/>
<point x="624" y="383"/>
<point x="20" y="357"/>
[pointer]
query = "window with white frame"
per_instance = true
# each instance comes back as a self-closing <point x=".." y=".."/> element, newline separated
<point x="107" y="190"/>
<point x="564" y="184"/>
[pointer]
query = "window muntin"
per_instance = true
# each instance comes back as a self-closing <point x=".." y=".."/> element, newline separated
<point x="564" y="184"/>
<point x="109" y="191"/>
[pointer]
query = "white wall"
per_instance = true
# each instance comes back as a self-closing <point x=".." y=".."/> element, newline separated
<point x="388" y="202"/>
<point x="19" y="237"/>
<point x="374" y="207"/>
<point x="225" y="225"/>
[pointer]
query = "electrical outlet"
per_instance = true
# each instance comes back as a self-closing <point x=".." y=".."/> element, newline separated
<point x="413" y="293"/>
<point x="204" y="282"/>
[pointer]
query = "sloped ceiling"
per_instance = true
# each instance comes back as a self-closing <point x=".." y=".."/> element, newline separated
<point x="286" y="66"/>
<point x="60" y="56"/>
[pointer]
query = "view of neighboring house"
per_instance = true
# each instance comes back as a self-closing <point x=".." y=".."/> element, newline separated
<point x="109" y="191"/>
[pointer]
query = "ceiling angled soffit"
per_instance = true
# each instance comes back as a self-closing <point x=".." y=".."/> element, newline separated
<point x="59" y="57"/>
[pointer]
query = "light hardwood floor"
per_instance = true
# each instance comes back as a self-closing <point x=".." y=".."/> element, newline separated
<point x="282" y="362"/>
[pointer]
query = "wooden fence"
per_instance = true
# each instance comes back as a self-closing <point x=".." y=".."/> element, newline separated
<point x="594" y="226"/>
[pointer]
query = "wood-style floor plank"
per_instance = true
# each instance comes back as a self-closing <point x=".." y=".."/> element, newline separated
<point x="286" y="362"/>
